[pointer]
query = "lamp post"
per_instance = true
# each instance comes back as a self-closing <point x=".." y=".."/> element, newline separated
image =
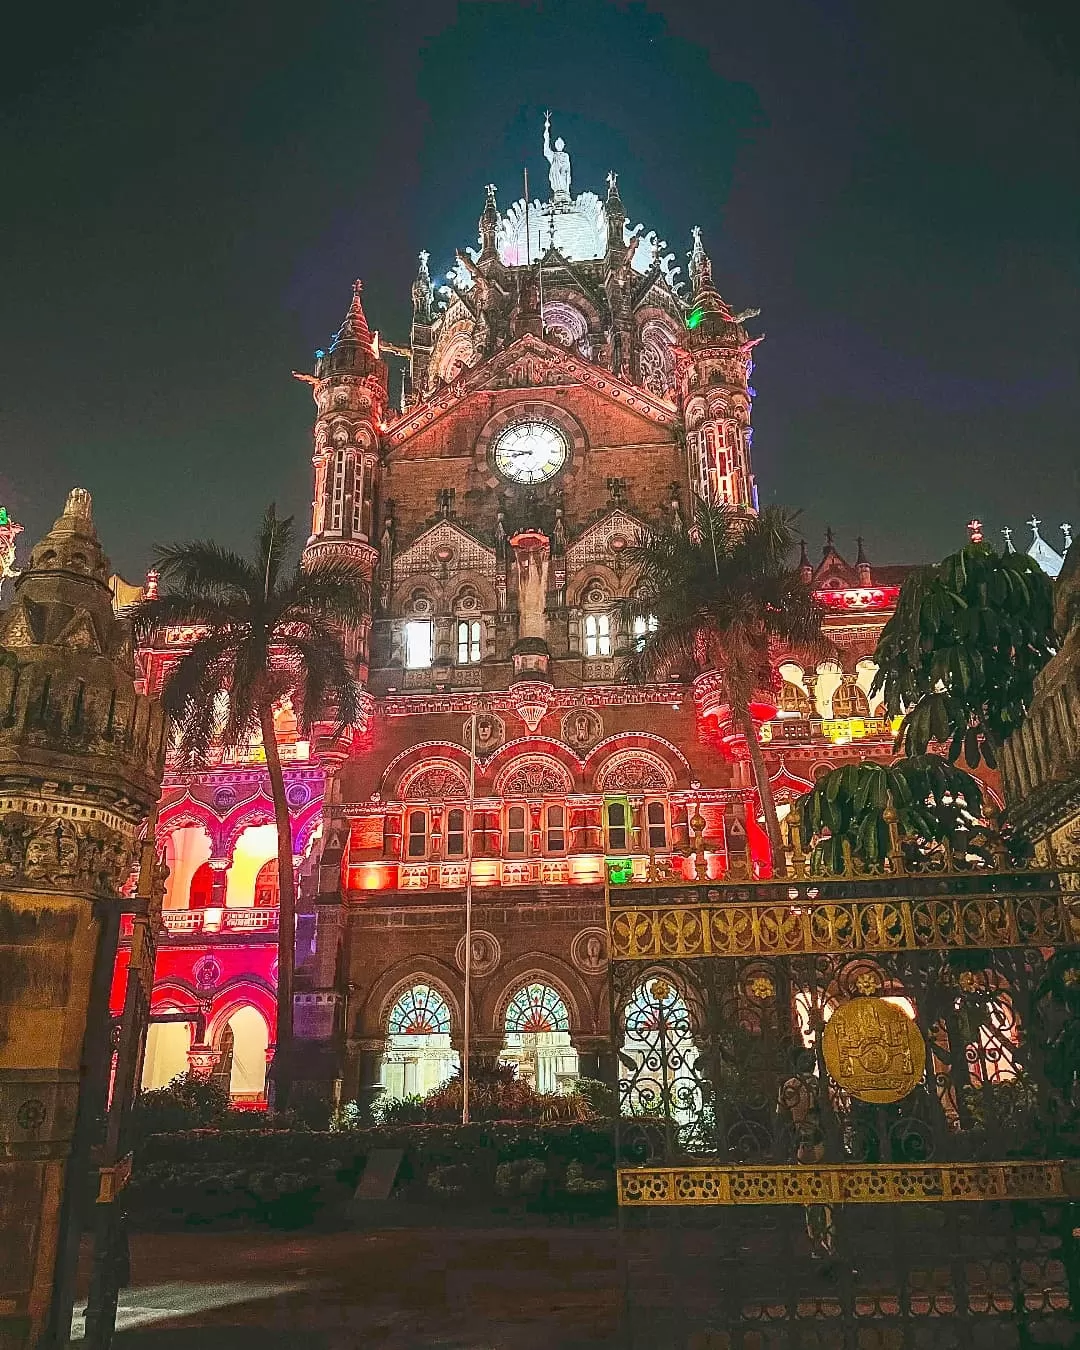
<point x="467" y="1014"/>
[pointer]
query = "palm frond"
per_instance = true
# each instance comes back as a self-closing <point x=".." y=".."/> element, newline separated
<point x="181" y="609"/>
<point x="274" y="545"/>
<point x="204" y="569"/>
<point x="333" y="590"/>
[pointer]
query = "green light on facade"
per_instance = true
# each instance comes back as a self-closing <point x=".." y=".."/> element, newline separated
<point x="620" y="871"/>
<point x="695" y="317"/>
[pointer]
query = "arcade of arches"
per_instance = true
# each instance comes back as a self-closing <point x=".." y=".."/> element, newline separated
<point x="420" y="1053"/>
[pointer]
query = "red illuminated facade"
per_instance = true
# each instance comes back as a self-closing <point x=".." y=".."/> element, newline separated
<point x="563" y="391"/>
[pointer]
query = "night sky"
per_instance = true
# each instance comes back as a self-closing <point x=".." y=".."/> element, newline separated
<point x="188" y="189"/>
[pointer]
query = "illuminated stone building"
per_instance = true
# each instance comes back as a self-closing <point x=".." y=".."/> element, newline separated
<point x="564" y="390"/>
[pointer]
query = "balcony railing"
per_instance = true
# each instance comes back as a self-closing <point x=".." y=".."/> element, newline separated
<point x="234" y="919"/>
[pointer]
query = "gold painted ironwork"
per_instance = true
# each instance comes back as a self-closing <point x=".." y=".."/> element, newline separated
<point x="874" y="1050"/>
<point x="848" y="1184"/>
<point x="805" y="926"/>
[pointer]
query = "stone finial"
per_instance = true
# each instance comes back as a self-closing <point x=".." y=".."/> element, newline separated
<point x="79" y="505"/>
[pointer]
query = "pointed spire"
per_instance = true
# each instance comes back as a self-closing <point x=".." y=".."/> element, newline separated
<point x="830" y="542"/>
<point x="1007" y="532"/>
<point x="355" y="327"/>
<point x="1066" y="534"/>
<point x="806" y="570"/>
<point x="700" y="263"/>
<point x="706" y="299"/>
<point x="1049" y="559"/>
<point x="489" y="221"/>
<point x="862" y="564"/>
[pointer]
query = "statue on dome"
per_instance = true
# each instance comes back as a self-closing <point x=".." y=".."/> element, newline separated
<point x="9" y="532"/>
<point x="559" y="159"/>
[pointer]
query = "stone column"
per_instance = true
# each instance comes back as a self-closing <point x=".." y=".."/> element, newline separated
<point x="81" y="756"/>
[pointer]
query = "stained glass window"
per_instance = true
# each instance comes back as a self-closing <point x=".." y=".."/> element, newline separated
<point x="537" y="1008"/>
<point x="420" y="1011"/>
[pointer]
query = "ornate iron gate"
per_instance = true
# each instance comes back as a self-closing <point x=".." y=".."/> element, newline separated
<point x="848" y="1110"/>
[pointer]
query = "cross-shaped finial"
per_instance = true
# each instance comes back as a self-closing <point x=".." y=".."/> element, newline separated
<point x="612" y="180"/>
<point x="357" y="287"/>
<point x="975" y="529"/>
<point x="1007" y="532"/>
<point x="1035" y="522"/>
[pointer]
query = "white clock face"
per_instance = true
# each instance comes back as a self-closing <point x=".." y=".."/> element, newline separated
<point x="530" y="452"/>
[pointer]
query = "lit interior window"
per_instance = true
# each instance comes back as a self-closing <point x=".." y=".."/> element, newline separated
<point x="418" y="644"/>
<point x="597" y="635"/>
<point x="468" y="641"/>
<point x="644" y="624"/>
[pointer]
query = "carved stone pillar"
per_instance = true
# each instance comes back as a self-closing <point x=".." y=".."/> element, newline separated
<point x="81" y="756"/>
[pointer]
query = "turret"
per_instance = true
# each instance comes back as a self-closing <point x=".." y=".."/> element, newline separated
<point x="350" y="391"/>
<point x="714" y="390"/>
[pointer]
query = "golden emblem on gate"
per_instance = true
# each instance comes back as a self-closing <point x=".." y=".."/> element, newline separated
<point x="874" y="1050"/>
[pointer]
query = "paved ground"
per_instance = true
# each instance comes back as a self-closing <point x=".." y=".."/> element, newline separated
<point x="393" y="1289"/>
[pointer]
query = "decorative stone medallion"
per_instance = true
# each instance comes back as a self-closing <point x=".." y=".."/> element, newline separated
<point x="207" y="973"/>
<point x="486" y="953"/>
<point x="490" y="732"/>
<point x="588" y="951"/>
<point x="581" y="728"/>
<point x="874" y="1050"/>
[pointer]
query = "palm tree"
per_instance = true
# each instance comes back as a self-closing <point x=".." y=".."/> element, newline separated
<point x="960" y="654"/>
<point x="724" y="596"/>
<point x="268" y="631"/>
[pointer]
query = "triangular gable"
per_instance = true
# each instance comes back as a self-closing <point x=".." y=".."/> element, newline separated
<point x="468" y="553"/>
<point x="833" y="572"/>
<point x="79" y="634"/>
<point x="539" y="361"/>
<point x="18" y="627"/>
<point x="594" y="545"/>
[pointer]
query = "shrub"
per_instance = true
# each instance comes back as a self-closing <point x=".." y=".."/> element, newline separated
<point x="523" y="1176"/>
<point x="186" y="1103"/>
<point x="495" y="1093"/>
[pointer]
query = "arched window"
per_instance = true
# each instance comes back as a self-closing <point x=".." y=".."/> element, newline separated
<point x="617" y="815"/>
<point x="416" y="834"/>
<point x="468" y="641"/>
<point x="598" y="634"/>
<point x="455" y="833"/>
<point x="337" y="492"/>
<point x="555" y="828"/>
<point x="656" y="821"/>
<point x="537" y="1008"/>
<point x="419" y="644"/>
<point x="202" y="887"/>
<point x="266" y="885"/>
<point x="794" y="700"/>
<point x="537" y="1038"/>
<point x="418" y="1055"/>
<point x="657" y="1075"/>
<point x="850" y="701"/>
<point x="419" y="1011"/>
<point x="516" y="821"/>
